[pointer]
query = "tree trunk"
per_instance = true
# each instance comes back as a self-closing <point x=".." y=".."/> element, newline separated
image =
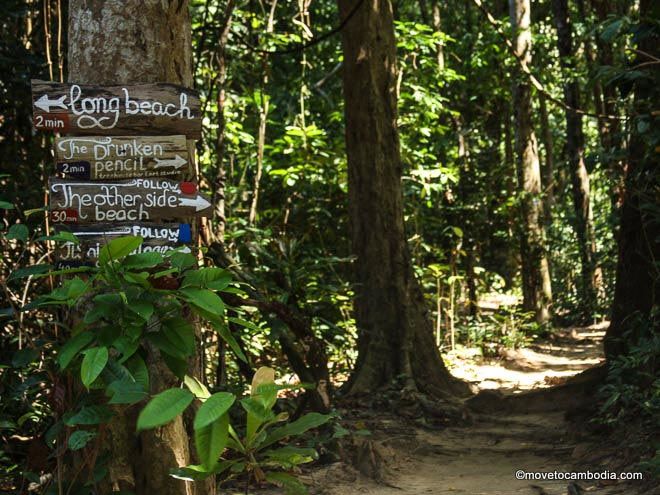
<point x="395" y="330"/>
<point x="637" y="291"/>
<point x="578" y="171"/>
<point x="537" y="292"/>
<point x="549" y="162"/>
<point x="123" y="42"/>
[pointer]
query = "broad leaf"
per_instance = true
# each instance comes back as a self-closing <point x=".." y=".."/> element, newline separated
<point x="19" y="232"/>
<point x="204" y="299"/>
<point x="298" y="427"/>
<point x="79" y="439"/>
<point x="213" y="409"/>
<point x="126" y="391"/>
<point x="119" y="248"/>
<point x="163" y="408"/>
<point x="211" y="439"/>
<point x="75" y="344"/>
<point x="93" y="363"/>
<point x="196" y="387"/>
<point x="90" y="415"/>
<point x="140" y="261"/>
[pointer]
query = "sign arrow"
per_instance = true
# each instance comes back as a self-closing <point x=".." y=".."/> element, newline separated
<point x="176" y="162"/>
<point x="45" y="103"/>
<point x="200" y="203"/>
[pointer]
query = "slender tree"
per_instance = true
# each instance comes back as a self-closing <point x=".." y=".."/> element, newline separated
<point x="395" y="330"/>
<point x="123" y="42"/>
<point x="575" y="154"/>
<point x="537" y="292"/>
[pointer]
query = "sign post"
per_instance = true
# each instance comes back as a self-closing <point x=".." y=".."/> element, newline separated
<point x="120" y="162"/>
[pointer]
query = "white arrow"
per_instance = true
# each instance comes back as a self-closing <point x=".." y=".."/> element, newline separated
<point x="176" y="162"/>
<point x="45" y="103"/>
<point x="199" y="202"/>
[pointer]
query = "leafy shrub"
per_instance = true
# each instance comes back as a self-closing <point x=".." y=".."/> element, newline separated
<point x="255" y="451"/>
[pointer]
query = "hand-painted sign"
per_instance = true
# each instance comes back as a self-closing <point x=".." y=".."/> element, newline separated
<point x="157" y="238"/>
<point x="136" y="200"/>
<point x="160" y="109"/>
<point x="123" y="157"/>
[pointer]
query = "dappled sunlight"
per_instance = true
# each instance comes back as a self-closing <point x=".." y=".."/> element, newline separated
<point x="545" y="363"/>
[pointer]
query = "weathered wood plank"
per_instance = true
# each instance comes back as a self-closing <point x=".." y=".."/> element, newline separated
<point x="136" y="200"/>
<point x="121" y="157"/>
<point x="148" y="109"/>
<point x="157" y="238"/>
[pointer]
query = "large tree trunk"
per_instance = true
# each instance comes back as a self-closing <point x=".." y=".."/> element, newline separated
<point x="637" y="291"/>
<point x="537" y="292"/>
<point x="395" y="331"/>
<point x="578" y="171"/>
<point x="123" y="42"/>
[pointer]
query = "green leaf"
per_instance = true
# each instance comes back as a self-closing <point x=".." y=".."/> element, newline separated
<point x="181" y="334"/>
<point x="227" y="336"/>
<point x="257" y="415"/>
<point x="119" y="248"/>
<point x="208" y="278"/>
<point x="181" y="261"/>
<point x="90" y="415"/>
<point x="211" y="439"/>
<point x="140" y="261"/>
<point x="126" y="391"/>
<point x="213" y="409"/>
<point x="29" y="271"/>
<point x="196" y="387"/>
<point x="143" y="309"/>
<point x="62" y="236"/>
<point x="165" y="345"/>
<point x="288" y="456"/>
<point x="205" y="299"/>
<point x="80" y="438"/>
<point x="69" y="350"/>
<point x="93" y="363"/>
<point x="19" y="232"/>
<point x="192" y="472"/>
<point x="290" y="484"/>
<point x="163" y="408"/>
<point x="138" y="368"/>
<point x="5" y="205"/>
<point x="298" y="427"/>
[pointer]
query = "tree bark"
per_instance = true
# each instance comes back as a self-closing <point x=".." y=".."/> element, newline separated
<point x="395" y="330"/>
<point x="537" y="292"/>
<point x="637" y="290"/>
<point x="123" y="42"/>
<point x="547" y="172"/>
<point x="578" y="171"/>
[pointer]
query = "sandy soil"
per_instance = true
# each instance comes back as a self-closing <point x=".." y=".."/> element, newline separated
<point x="483" y="457"/>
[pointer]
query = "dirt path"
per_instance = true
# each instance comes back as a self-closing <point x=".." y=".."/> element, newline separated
<point x="483" y="458"/>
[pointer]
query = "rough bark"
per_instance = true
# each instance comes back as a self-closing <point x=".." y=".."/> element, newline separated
<point x="637" y="290"/>
<point x="123" y="42"/>
<point x="395" y="330"/>
<point x="537" y="292"/>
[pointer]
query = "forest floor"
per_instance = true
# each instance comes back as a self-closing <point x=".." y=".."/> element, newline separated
<point x="483" y="456"/>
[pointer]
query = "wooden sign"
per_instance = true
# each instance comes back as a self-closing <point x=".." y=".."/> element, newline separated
<point x="149" y="109"/>
<point x="157" y="238"/>
<point x="136" y="200"/>
<point x="122" y="157"/>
